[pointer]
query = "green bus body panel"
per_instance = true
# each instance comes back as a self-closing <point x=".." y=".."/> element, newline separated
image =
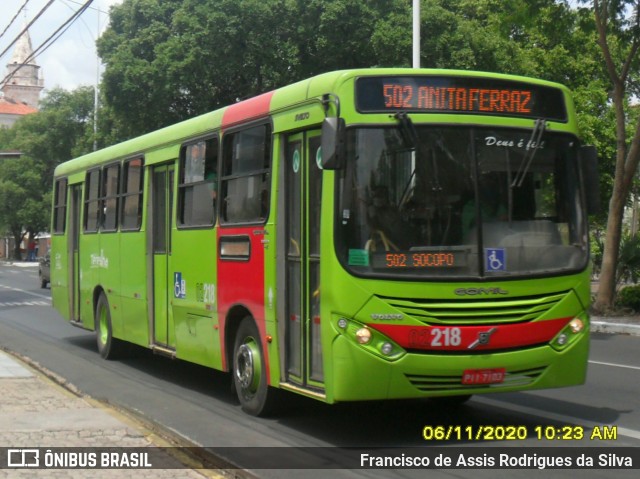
<point x="59" y="275"/>
<point x="277" y="345"/>
<point x="117" y="263"/>
<point x="132" y="283"/>
<point x="358" y="375"/>
<point x="195" y="317"/>
<point x="162" y="155"/>
<point x="171" y="136"/>
<point x="357" y="299"/>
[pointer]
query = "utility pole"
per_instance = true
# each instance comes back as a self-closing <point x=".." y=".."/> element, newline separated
<point x="95" y="91"/>
<point x="416" y="33"/>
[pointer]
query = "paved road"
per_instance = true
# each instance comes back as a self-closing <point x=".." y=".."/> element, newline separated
<point x="198" y="403"/>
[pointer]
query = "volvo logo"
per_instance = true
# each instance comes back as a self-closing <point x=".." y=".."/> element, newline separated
<point x="387" y="317"/>
<point x="483" y="338"/>
<point x="479" y="291"/>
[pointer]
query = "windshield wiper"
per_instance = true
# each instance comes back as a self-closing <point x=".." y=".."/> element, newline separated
<point x="408" y="131"/>
<point x="532" y="147"/>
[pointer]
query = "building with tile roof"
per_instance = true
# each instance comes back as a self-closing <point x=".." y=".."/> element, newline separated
<point x="20" y="91"/>
<point x="10" y="111"/>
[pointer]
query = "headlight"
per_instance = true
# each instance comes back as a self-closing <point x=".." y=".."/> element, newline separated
<point x="363" y="335"/>
<point x="569" y="334"/>
<point x="368" y="338"/>
<point x="576" y="325"/>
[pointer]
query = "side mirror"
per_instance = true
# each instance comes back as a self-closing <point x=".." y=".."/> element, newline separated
<point x="332" y="143"/>
<point x="588" y="157"/>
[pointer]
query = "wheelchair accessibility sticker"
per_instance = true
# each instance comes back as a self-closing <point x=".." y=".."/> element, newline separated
<point x="495" y="259"/>
<point x="179" y="286"/>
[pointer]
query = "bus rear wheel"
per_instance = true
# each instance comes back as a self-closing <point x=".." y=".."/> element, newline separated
<point x="249" y="371"/>
<point x="108" y="346"/>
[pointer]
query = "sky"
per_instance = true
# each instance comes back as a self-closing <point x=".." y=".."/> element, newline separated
<point x="71" y="61"/>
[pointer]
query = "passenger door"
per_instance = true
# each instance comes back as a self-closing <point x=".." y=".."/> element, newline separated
<point x="164" y="285"/>
<point x="73" y="251"/>
<point x="303" y="186"/>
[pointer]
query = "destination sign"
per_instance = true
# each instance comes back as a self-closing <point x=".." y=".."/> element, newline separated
<point x="479" y="96"/>
<point x="410" y="259"/>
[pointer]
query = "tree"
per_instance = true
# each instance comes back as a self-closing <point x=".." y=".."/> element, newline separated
<point x="341" y="34"/>
<point x="618" y="28"/>
<point x="22" y="200"/>
<point x="133" y="82"/>
<point x="169" y="60"/>
<point x="61" y="130"/>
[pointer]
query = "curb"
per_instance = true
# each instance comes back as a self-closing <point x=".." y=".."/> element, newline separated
<point x="21" y="264"/>
<point x="615" y="328"/>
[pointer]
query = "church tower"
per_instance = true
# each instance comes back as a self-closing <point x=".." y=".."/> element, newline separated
<point x="24" y="83"/>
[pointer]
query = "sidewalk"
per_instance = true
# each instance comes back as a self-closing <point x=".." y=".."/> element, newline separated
<point x="37" y="412"/>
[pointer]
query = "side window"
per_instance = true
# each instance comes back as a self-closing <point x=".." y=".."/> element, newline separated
<point x="92" y="201"/>
<point x="131" y="202"/>
<point x="109" y="200"/>
<point x="245" y="176"/>
<point x="60" y="206"/>
<point x="198" y="187"/>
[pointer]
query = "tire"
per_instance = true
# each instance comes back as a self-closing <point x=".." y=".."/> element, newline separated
<point x="250" y="372"/>
<point x="43" y="282"/>
<point x="108" y="346"/>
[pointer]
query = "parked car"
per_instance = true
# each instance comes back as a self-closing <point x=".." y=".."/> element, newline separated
<point x="44" y="270"/>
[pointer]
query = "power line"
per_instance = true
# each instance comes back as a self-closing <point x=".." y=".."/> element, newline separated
<point x="70" y="21"/>
<point x="92" y="8"/>
<point x="14" y="18"/>
<point x="49" y="41"/>
<point x="27" y="27"/>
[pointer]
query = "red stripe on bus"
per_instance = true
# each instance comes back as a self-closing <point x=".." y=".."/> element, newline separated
<point x="247" y="110"/>
<point x="473" y="338"/>
<point x="241" y="285"/>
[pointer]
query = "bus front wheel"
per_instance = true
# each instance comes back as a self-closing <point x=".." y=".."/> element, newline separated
<point x="108" y="346"/>
<point x="249" y="371"/>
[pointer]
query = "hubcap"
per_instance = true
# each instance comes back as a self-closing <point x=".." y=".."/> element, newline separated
<point x="248" y="368"/>
<point x="104" y="332"/>
<point x="244" y="366"/>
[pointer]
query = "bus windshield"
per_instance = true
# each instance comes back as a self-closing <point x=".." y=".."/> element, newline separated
<point x="433" y="201"/>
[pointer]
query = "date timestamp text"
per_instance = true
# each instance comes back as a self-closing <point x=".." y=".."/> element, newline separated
<point x="518" y="433"/>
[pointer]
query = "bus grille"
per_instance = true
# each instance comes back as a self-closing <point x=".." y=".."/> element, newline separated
<point x="477" y="311"/>
<point x="428" y="383"/>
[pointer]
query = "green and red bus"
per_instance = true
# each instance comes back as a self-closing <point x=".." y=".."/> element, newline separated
<point x="360" y="235"/>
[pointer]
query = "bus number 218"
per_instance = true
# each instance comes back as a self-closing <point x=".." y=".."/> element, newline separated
<point x="436" y="337"/>
<point x="206" y="292"/>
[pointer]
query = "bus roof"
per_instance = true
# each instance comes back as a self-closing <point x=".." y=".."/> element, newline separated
<point x="256" y="107"/>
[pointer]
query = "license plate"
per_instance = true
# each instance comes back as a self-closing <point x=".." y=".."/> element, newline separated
<point x="483" y="376"/>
